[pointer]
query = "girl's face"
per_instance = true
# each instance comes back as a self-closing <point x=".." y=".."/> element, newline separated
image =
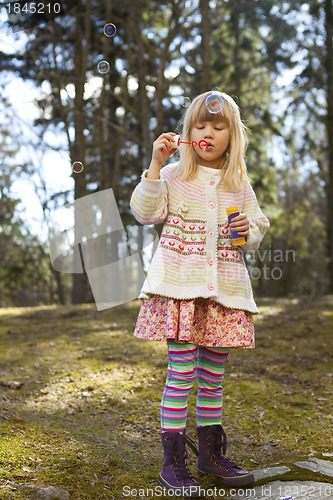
<point x="217" y="134"/>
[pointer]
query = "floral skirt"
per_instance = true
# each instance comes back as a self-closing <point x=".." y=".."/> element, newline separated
<point x="199" y="321"/>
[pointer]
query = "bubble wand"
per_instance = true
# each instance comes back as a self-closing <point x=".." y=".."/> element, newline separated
<point x="176" y="142"/>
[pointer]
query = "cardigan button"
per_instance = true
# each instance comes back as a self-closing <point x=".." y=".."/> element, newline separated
<point x="212" y="183"/>
<point x="210" y="262"/>
<point x="211" y="287"/>
<point x="211" y="205"/>
<point x="211" y="234"/>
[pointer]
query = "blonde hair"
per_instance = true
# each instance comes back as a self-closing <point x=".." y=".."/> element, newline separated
<point x="233" y="168"/>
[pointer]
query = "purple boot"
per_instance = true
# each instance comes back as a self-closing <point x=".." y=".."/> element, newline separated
<point x="175" y="476"/>
<point x="210" y="460"/>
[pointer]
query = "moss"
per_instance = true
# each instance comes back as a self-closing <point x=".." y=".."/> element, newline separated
<point x="87" y="417"/>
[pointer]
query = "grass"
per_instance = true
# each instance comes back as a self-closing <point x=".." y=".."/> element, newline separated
<point x="85" y="415"/>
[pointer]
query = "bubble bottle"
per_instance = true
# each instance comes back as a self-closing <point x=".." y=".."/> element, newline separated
<point x="236" y="239"/>
<point x="175" y="143"/>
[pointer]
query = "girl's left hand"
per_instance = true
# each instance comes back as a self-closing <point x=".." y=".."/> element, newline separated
<point x="240" y="224"/>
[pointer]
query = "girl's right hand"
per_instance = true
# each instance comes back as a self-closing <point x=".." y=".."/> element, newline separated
<point x="161" y="151"/>
<point x="162" y="148"/>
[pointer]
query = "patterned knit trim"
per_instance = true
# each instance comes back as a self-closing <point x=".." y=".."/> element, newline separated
<point x="226" y="302"/>
<point x="195" y="221"/>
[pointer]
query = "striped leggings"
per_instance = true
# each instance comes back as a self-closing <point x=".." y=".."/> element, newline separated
<point x="185" y="363"/>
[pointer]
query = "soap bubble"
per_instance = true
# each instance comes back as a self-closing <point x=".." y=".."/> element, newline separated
<point x="77" y="167"/>
<point x="214" y="103"/>
<point x="186" y="102"/>
<point x="109" y="29"/>
<point x="103" y="67"/>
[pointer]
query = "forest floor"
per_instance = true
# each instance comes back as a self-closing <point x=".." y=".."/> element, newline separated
<point x="80" y="397"/>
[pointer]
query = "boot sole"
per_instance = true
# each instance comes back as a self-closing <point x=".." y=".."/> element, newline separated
<point x="245" y="480"/>
<point x="191" y="489"/>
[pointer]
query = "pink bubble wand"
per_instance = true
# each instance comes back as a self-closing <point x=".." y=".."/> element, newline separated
<point x="176" y="142"/>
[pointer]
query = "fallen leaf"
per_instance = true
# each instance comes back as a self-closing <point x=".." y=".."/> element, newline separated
<point x="16" y="418"/>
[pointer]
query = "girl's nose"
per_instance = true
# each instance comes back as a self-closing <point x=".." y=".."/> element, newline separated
<point x="208" y="132"/>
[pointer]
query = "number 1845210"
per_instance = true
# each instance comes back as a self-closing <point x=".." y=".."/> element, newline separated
<point x="302" y="490"/>
<point x="33" y="8"/>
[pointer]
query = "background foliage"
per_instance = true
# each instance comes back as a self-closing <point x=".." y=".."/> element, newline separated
<point x="274" y="57"/>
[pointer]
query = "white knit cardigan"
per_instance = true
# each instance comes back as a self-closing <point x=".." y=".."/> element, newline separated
<point x="195" y="256"/>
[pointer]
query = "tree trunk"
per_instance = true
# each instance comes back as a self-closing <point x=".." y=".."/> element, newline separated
<point x="237" y="73"/>
<point x="206" y="49"/>
<point x="80" y="188"/>
<point x="164" y="57"/>
<point x="329" y="128"/>
<point x="102" y="140"/>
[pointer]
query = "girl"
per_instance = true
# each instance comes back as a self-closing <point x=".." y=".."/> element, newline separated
<point x="197" y="294"/>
